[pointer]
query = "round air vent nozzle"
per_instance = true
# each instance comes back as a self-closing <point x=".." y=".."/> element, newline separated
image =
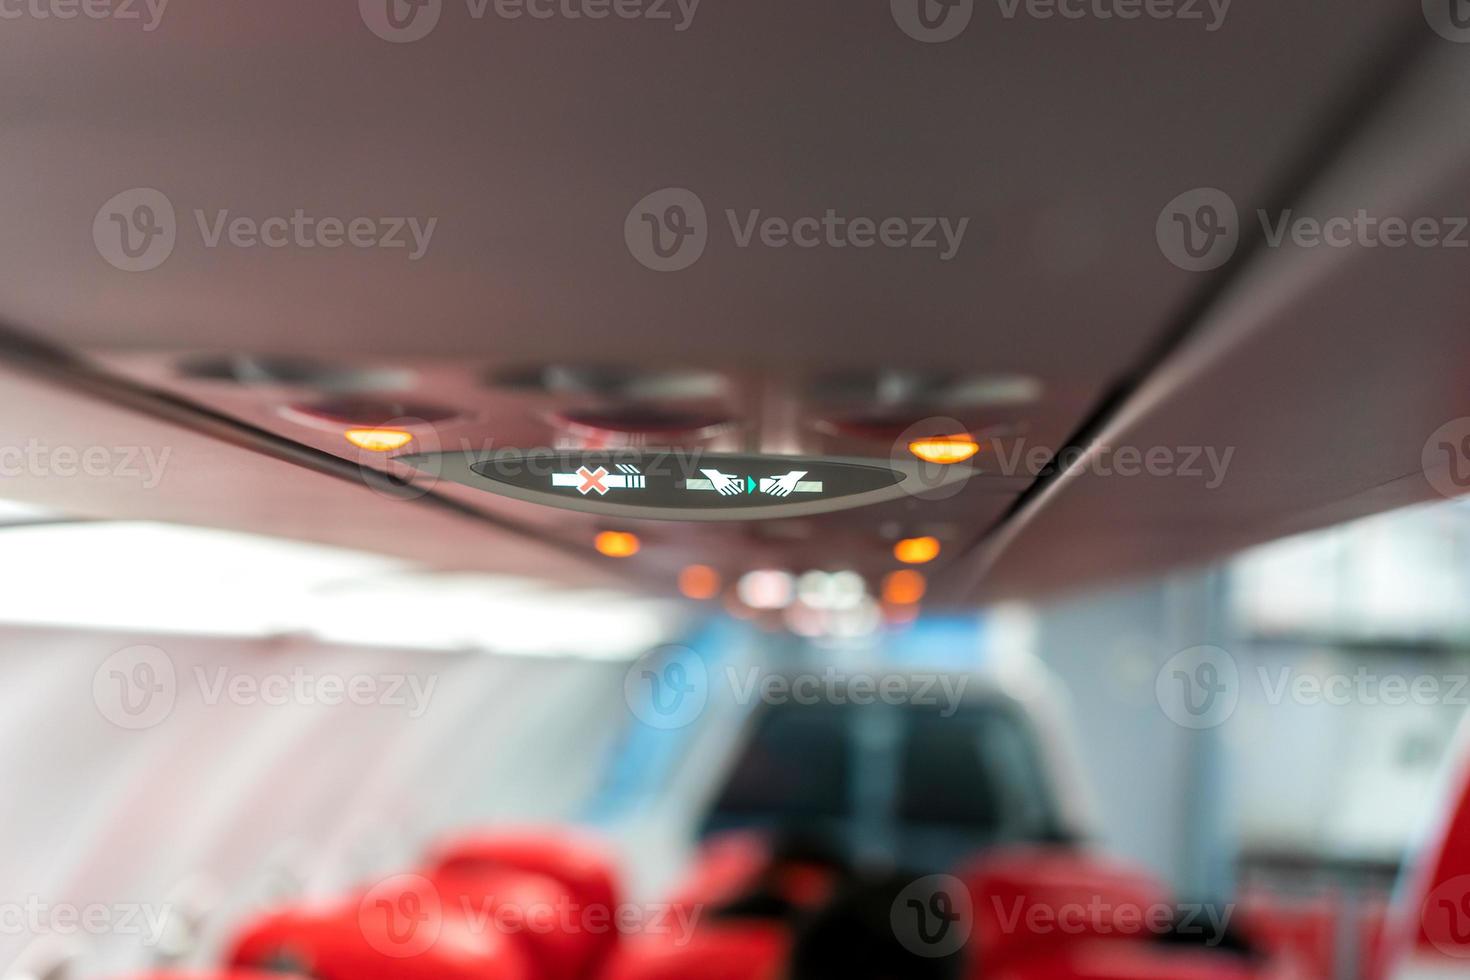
<point x="262" y="371"/>
<point x="642" y="420"/>
<point x="611" y="382"/>
<point x="366" y="413"/>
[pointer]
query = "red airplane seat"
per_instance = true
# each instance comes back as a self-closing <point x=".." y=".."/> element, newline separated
<point x="208" y="975"/>
<point x="726" y="951"/>
<point x="724" y="868"/>
<point x="1374" y="919"/>
<point x="401" y="929"/>
<point x="565" y="938"/>
<point x="1094" y="959"/>
<point x="1302" y="932"/>
<point x="572" y="926"/>
<point x="1029" y="901"/>
<point x="580" y="862"/>
<point x="1428" y="929"/>
<point x="739" y="902"/>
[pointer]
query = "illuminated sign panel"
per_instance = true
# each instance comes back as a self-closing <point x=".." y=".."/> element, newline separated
<point x="685" y="481"/>
<point x="673" y="484"/>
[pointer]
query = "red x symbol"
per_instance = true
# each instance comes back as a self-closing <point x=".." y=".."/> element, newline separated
<point x="592" y="481"/>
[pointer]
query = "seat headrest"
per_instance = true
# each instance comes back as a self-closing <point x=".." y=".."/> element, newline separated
<point x="401" y="929"/>
<point x="1096" y="960"/>
<point x="581" y="863"/>
<point x="1042" y="897"/>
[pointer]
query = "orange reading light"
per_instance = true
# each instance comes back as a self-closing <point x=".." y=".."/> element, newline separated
<point x="699" y="582"/>
<point x="379" y="440"/>
<point x="616" y="544"/>
<point x="944" y="449"/>
<point x="903" y="588"/>
<point x="916" y="551"/>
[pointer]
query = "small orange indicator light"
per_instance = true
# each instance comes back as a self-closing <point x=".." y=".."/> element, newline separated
<point x="944" y="449"/>
<point x="903" y="588"/>
<point x="379" y="440"/>
<point x="617" y="544"/>
<point x="916" y="551"/>
<point x="699" y="582"/>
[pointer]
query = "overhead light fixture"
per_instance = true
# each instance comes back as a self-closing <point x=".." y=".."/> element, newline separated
<point x="904" y="587"/>
<point x="831" y="590"/>
<point x="944" y="450"/>
<point x="916" y="551"/>
<point x="378" y="440"/>
<point x="766" y="588"/>
<point x="617" y="544"/>
<point x="699" y="582"/>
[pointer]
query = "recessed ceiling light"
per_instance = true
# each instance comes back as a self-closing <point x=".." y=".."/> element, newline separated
<point x="617" y="544"/>
<point x="944" y="449"/>
<point x="699" y="582"/>
<point x="916" y="551"/>
<point x="378" y="440"/>
<point x="904" y="587"/>
<point x="766" y="588"/>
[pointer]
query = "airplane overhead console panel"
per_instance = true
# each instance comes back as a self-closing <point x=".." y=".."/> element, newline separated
<point x="687" y="485"/>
